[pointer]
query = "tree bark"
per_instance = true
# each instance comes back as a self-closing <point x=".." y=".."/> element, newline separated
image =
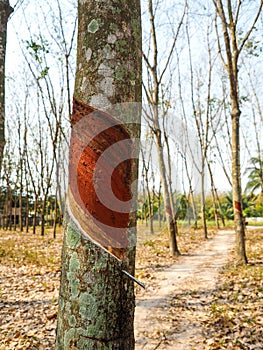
<point x="220" y="207"/>
<point x="213" y="195"/>
<point x="236" y="188"/>
<point x="96" y="302"/>
<point x="43" y="215"/>
<point x="150" y="213"/>
<point x="233" y="46"/>
<point x="27" y="213"/>
<point x="55" y="215"/>
<point x="14" y="208"/>
<point x="170" y="219"/>
<point x="35" y="213"/>
<point x="156" y="73"/>
<point x="5" y="11"/>
<point x="203" y="201"/>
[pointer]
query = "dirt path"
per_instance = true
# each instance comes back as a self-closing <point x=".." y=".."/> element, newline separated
<point x="171" y="315"/>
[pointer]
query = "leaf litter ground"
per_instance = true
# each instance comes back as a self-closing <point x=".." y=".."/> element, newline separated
<point x="188" y="304"/>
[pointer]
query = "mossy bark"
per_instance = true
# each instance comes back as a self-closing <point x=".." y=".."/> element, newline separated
<point x="96" y="302"/>
<point x="5" y="11"/>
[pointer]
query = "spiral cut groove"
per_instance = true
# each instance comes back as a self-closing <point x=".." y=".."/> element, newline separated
<point x="99" y="191"/>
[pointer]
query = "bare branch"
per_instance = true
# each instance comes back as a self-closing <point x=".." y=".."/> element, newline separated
<point x="147" y="61"/>
<point x="218" y="44"/>
<point x="153" y="31"/>
<point x="221" y="13"/>
<point x="251" y="28"/>
<point x="174" y="43"/>
<point x="238" y="10"/>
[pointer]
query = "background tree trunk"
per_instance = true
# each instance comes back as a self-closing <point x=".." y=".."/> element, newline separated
<point x="5" y="11"/>
<point x="156" y="73"/>
<point x="149" y="213"/>
<point x="233" y="46"/>
<point x="96" y="303"/>
<point x="237" y="192"/>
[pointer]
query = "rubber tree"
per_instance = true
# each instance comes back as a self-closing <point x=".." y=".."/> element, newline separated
<point x="5" y="11"/>
<point x="156" y="77"/>
<point x="230" y="46"/>
<point x="148" y="203"/>
<point x="96" y="301"/>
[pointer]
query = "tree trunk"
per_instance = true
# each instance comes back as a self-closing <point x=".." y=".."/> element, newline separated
<point x="213" y="193"/>
<point x="27" y="213"/>
<point x="170" y="220"/>
<point x="169" y="178"/>
<point x="42" y="227"/>
<point x="220" y="208"/>
<point x="215" y="208"/>
<point x="6" y="206"/>
<point x="159" y="205"/>
<point x="21" y="225"/>
<point x="150" y="206"/>
<point x="5" y="11"/>
<point x="202" y="173"/>
<point x="194" y="206"/>
<point x="35" y="213"/>
<point x="15" y="204"/>
<point x="236" y="188"/>
<point x="43" y="214"/>
<point x="149" y="199"/>
<point x="55" y="215"/>
<point x="233" y="46"/>
<point x="96" y="302"/>
<point x="10" y="209"/>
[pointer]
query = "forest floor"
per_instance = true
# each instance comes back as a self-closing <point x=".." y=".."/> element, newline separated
<point x="178" y="304"/>
<point x="197" y="301"/>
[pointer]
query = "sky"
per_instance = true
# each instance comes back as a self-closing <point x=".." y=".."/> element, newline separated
<point x="28" y="19"/>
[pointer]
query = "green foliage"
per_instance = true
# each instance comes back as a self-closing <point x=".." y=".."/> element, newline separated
<point x="227" y="206"/>
<point x="144" y="209"/>
<point x="37" y="48"/>
<point x="44" y="73"/>
<point x="253" y="47"/>
<point x="182" y="207"/>
<point x="252" y="206"/>
<point x="255" y="175"/>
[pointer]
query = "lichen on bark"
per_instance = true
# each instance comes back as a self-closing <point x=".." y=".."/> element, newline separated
<point x="112" y="45"/>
